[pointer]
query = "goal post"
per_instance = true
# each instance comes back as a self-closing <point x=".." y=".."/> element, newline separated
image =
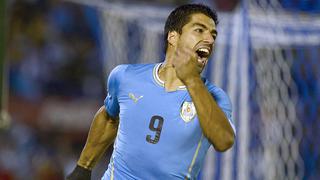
<point x="4" y="115"/>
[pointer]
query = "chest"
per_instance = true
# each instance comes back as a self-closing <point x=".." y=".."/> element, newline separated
<point x="157" y="116"/>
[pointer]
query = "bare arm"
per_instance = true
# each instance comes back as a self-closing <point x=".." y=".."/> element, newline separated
<point x="101" y="135"/>
<point x="213" y="121"/>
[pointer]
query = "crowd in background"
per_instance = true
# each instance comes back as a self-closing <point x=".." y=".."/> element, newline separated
<point x="53" y="53"/>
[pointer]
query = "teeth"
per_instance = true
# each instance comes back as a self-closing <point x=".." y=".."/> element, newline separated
<point x="204" y="50"/>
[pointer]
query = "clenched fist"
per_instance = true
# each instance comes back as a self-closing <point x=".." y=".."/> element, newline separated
<point x="189" y="62"/>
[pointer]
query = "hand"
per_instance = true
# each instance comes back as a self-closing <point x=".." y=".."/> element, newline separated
<point x="80" y="173"/>
<point x="186" y="64"/>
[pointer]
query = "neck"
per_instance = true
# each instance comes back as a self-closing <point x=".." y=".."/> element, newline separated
<point x="168" y="75"/>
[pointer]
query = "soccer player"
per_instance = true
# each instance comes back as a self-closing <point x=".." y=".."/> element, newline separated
<point x="163" y="117"/>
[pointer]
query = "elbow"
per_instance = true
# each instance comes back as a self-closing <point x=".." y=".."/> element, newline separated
<point x="225" y="144"/>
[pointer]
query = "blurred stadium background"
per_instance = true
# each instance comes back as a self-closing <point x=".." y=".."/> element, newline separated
<point x="55" y="57"/>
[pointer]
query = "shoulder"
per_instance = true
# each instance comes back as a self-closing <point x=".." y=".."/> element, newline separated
<point x="213" y="88"/>
<point x="128" y="71"/>
<point x="219" y="94"/>
<point x="119" y="69"/>
<point x="136" y="68"/>
<point x="129" y="68"/>
<point x="115" y="74"/>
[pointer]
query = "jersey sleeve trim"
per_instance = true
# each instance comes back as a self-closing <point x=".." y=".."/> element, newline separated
<point x="232" y="126"/>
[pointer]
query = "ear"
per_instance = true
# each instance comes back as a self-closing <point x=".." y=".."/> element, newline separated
<point x="173" y="38"/>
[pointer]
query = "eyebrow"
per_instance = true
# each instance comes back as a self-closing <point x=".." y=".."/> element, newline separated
<point x="214" y="32"/>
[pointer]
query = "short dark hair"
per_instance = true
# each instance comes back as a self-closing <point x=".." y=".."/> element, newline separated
<point x="181" y="16"/>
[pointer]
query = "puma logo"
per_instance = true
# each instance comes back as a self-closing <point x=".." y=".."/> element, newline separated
<point x="134" y="98"/>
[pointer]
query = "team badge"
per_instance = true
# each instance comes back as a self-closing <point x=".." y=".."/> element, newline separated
<point x="187" y="111"/>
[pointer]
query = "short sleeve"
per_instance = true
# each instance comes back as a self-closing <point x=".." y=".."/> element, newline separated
<point x="113" y="86"/>
<point x="224" y="102"/>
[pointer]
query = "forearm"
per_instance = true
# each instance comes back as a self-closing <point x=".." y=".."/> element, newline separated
<point x="213" y="121"/>
<point x="101" y="135"/>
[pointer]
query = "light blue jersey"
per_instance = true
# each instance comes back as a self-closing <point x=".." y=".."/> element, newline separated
<point x="159" y="135"/>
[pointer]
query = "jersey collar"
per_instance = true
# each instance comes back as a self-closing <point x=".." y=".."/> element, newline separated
<point x="157" y="78"/>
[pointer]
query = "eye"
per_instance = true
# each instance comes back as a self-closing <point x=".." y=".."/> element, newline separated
<point x="199" y="30"/>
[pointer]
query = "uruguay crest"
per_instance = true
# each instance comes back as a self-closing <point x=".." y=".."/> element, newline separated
<point x="187" y="111"/>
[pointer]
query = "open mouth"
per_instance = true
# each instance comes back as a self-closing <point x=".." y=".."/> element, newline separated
<point x="203" y="53"/>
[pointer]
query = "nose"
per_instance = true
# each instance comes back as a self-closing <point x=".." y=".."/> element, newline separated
<point x="209" y="38"/>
